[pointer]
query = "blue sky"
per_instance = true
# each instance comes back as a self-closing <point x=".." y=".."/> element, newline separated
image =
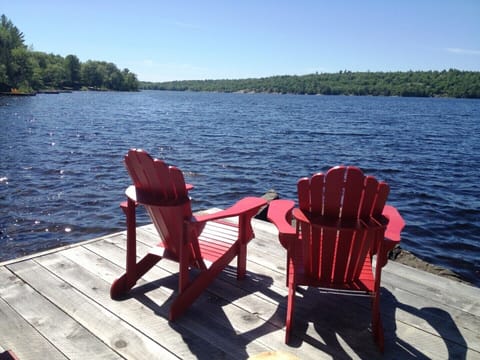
<point x="180" y="40"/>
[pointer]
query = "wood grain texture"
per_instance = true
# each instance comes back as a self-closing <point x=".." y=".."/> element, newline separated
<point x="57" y="305"/>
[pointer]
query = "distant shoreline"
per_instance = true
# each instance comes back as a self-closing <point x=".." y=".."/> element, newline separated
<point x="52" y="92"/>
<point x="18" y="93"/>
<point x="444" y="84"/>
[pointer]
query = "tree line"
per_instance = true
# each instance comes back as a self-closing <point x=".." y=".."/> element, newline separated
<point x="451" y="83"/>
<point x="25" y="70"/>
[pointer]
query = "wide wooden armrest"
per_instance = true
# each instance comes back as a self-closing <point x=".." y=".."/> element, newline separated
<point x="148" y="198"/>
<point x="246" y="205"/>
<point x="280" y="214"/>
<point x="300" y="215"/>
<point x="395" y="223"/>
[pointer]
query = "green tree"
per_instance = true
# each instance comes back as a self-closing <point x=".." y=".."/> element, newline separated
<point x="11" y="39"/>
<point x="14" y="37"/>
<point x="21" y="68"/>
<point x="72" y="68"/>
<point x="91" y="75"/>
<point x="129" y="80"/>
<point x="3" y="74"/>
<point x="54" y="75"/>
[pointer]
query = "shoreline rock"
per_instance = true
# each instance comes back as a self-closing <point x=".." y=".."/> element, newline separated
<point x="405" y="257"/>
<point x="270" y="195"/>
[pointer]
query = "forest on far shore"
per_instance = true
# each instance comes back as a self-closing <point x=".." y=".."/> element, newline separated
<point x="447" y="83"/>
<point x="25" y="70"/>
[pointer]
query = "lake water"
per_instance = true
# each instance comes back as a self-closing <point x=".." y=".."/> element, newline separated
<point x="62" y="177"/>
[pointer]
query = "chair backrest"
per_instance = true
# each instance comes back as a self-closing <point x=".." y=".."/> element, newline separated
<point x="344" y="206"/>
<point x="162" y="190"/>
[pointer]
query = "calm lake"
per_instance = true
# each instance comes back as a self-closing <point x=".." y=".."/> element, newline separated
<point x="62" y="177"/>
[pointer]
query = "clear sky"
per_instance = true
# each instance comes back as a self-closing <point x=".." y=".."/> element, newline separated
<point x="209" y="39"/>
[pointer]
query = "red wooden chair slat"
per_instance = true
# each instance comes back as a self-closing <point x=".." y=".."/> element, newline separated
<point x="314" y="194"/>
<point x="382" y="195"/>
<point x="334" y="180"/>
<point x="369" y="196"/>
<point x="340" y="226"/>
<point x="326" y="262"/>
<point x="353" y="191"/>
<point x="342" y="255"/>
<point x="161" y="189"/>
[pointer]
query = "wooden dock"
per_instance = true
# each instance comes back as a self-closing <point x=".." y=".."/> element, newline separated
<point x="56" y="305"/>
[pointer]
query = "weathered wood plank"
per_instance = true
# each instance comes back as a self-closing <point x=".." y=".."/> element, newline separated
<point x="349" y="318"/>
<point x="438" y="318"/>
<point x="118" y="335"/>
<point x="424" y="316"/>
<point x="442" y="291"/>
<point x="69" y="337"/>
<point x="57" y="249"/>
<point x="241" y="322"/>
<point x="358" y="342"/>
<point x="455" y="343"/>
<point x="140" y="312"/>
<point x="419" y="311"/>
<point x="435" y="316"/>
<point x="206" y="328"/>
<point x="17" y="334"/>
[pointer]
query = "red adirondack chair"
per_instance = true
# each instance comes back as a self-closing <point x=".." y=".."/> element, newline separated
<point x="341" y="222"/>
<point x="161" y="189"/>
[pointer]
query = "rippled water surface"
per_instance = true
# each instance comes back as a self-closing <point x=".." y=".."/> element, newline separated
<point x="62" y="177"/>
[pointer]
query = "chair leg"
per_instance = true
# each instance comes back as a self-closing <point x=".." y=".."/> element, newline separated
<point x="124" y="283"/>
<point x="196" y="286"/>
<point x="245" y="234"/>
<point x="377" y="327"/>
<point x="241" y="261"/>
<point x="290" y="310"/>
<point x="189" y="294"/>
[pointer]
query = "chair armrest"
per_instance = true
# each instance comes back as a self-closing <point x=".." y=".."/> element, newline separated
<point x="280" y="214"/>
<point x="391" y="236"/>
<point x="395" y="223"/>
<point x="246" y="205"/>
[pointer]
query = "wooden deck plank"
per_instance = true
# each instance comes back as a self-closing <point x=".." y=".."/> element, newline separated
<point x="131" y="310"/>
<point x="261" y="249"/>
<point x="163" y="275"/>
<point x="438" y="317"/>
<point x="401" y="291"/>
<point x="243" y="321"/>
<point x="205" y="303"/>
<point x="424" y="316"/>
<point x="23" y="333"/>
<point x="447" y="292"/>
<point x="352" y="338"/>
<point x="120" y="336"/>
<point x="318" y="317"/>
<point x="420" y="311"/>
<point x="70" y="338"/>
